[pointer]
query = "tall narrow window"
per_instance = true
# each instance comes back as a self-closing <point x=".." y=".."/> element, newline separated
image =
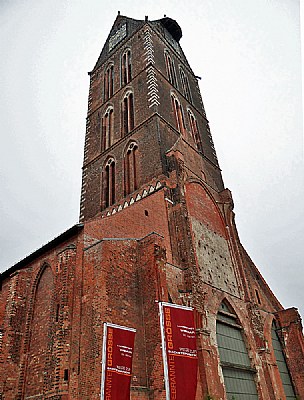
<point x="127" y="114"/>
<point x="109" y="82"/>
<point x="281" y="363"/>
<point x="194" y="131"/>
<point x="109" y="183"/>
<point x="170" y="69"/>
<point x="126" y="68"/>
<point x="235" y="363"/>
<point x="107" y="129"/>
<point x="178" y="113"/>
<point x="185" y="84"/>
<point x="40" y="349"/>
<point x="130" y="169"/>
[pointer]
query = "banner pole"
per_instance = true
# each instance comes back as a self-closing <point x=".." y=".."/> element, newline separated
<point x="162" y="327"/>
<point x="103" y="360"/>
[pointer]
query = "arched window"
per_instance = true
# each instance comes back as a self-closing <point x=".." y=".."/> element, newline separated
<point x="109" y="82"/>
<point x="126" y="68"/>
<point x="109" y="183"/>
<point x="185" y="84"/>
<point x="178" y="113"/>
<point x="237" y="371"/>
<point x="281" y="363"/>
<point x="42" y="334"/>
<point x="194" y="130"/>
<point x="127" y="113"/>
<point x="170" y="69"/>
<point x="107" y="129"/>
<point x="130" y="169"/>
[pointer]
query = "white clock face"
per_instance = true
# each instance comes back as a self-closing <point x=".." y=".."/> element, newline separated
<point x="119" y="35"/>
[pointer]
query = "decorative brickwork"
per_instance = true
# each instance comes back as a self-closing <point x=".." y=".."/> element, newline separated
<point x="157" y="225"/>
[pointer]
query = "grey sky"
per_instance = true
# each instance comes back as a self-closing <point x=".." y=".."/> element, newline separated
<point x="248" y="55"/>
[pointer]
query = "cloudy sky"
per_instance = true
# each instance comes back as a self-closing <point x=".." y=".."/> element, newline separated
<point x="248" y="53"/>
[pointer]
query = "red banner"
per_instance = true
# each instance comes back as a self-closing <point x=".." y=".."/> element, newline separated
<point x="179" y="351"/>
<point x="118" y="345"/>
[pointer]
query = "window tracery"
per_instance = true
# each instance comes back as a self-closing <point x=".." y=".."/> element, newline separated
<point x="107" y="129"/>
<point x="178" y="113"/>
<point x="194" y="130"/>
<point x="127" y="113"/>
<point x="109" y="183"/>
<point x="131" y="169"/>
<point x="109" y="82"/>
<point x="170" y="69"/>
<point x="126" y="67"/>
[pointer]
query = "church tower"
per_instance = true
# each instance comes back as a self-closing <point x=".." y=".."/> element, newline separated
<point x="150" y="168"/>
<point x="144" y="99"/>
<point x="156" y="225"/>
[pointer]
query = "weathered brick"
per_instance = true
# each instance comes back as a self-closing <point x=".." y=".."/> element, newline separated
<point x="173" y="238"/>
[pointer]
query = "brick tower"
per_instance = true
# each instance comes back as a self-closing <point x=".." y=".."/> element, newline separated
<point x="156" y="224"/>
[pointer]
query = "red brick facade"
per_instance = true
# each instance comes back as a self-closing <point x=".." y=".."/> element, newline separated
<point x="156" y="225"/>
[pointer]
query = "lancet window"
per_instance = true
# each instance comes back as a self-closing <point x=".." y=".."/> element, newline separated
<point x="239" y="376"/>
<point x="194" y="130"/>
<point x="178" y="113"/>
<point x="185" y="84"/>
<point x="107" y="129"/>
<point x="109" y="183"/>
<point x="126" y="67"/>
<point x="127" y="113"/>
<point x="109" y="82"/>
<point x="170" y="69"/>
<point x="131" y="169"/>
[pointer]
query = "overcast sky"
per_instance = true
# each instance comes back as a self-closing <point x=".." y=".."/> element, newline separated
<point x="248" y="55"/>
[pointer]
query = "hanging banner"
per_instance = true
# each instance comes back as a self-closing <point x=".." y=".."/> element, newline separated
<point x="117" y="354"/>
<point x="179" y="351"/>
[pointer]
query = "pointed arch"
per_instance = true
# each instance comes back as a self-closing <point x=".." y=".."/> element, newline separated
<point x="239" y="376"/>
<point x="131" y="168"/>
<point x="205" y="193"/>
<point x="194" y="130"/>
<point x="41" y="331"/>
<point x="127" y="113"/>
<point x="109" y="81"/>
<point x="170" y="68"/>
<point x="107" y="128"/>
<point x="126" y="67"/>
<point x="185" y="84"/>
<point x="178" y="113"/>
<point x="108" y="183"/>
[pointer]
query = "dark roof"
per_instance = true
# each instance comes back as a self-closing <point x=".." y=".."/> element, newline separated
<point x="74" y="230"/>
<point x="172" y="27"/>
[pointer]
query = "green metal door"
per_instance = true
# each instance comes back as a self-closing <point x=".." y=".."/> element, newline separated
<point x="239" y="377"/>
<point x="282" y="366"/>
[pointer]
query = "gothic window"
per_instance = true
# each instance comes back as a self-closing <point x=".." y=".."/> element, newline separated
<point x="194" y="130"/>
<point x="127" y="113"/>
<point x="170" y="69"/>
<point x="239" y="377"/>
<point x="281" y="363"/>
<point x="178" y="113"/>
<point x="126" y="68"/>
<point x="185" y="84"/>
<point x="109" y="82"/>
<point x="130" y="169"/>
<point x="109" y="183"/>
<point x="107" y="129"/>
<point x="41" y="336"/>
